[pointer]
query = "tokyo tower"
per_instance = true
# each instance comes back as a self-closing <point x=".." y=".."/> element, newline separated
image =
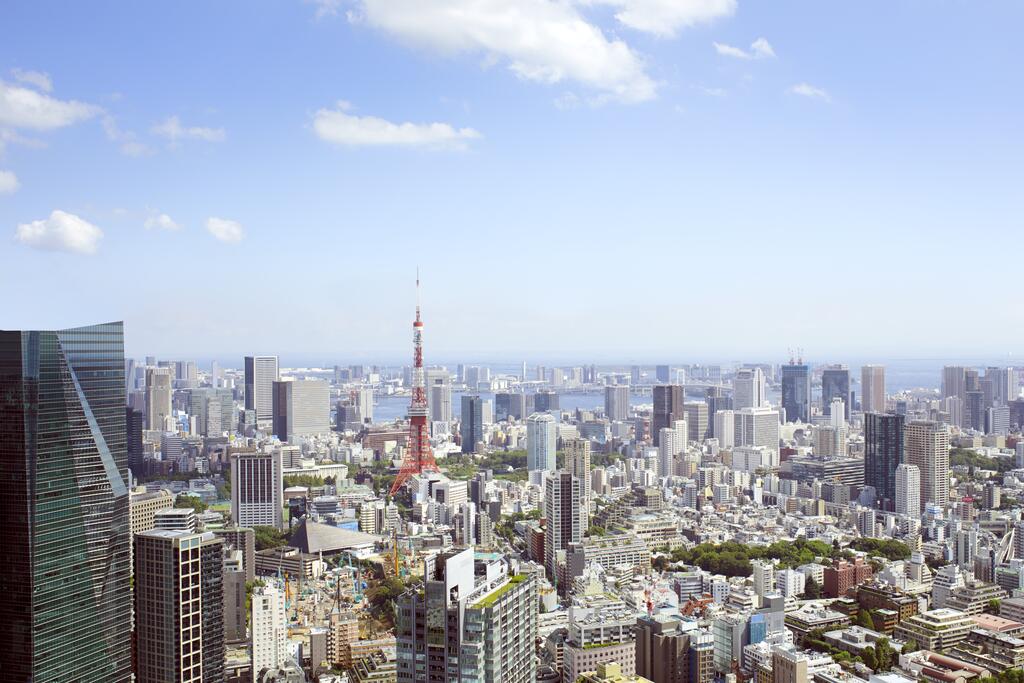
<point x="418" y="456"/>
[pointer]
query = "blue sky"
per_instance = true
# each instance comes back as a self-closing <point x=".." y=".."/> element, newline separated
<point x="607" y="179"/>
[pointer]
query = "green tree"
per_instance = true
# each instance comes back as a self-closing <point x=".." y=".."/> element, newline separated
<point x="993" y="606"/>
<point x="186" y="501"/>
<point x="884" y="655"/>
<point x="864" y="620"/>
<point x="269" y="537"/>
<point x="812" y="589"/>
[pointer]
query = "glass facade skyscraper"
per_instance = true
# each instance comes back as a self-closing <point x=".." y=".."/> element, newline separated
<point x="796" y="392"/>
<point x="64" y="506"/>
<point x="883" y="453"/>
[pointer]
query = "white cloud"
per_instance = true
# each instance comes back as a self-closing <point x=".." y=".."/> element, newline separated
<point x="62" y="231"/>
<point x="26" y="108"/>
<point x="160" y="221"/>
<point x="39" y="79"/>
<point x="759" y="49"/>
<point x="547" y="41"/>
<point x="341" y="128"/>
<point x="666" y="17"/>
<point x="762" y="48"/>
<point x="174" y="131"/>
<point x="808" y="90"/>
<point x="129" y="142"/>
<point x="326" y="8"/>
<point x="8" y="182"/>
<point x="224" y="230"/>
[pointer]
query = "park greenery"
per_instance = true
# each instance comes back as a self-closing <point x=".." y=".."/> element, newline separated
<point x="186" y="501"/>
<point x="879" y="658"/>
<point x="1008" y="676"/>
<point x="882" y="547"/>
<point x="966" y="457"/>
<point x="268" y="537"/>
<point x="309" y="481"/>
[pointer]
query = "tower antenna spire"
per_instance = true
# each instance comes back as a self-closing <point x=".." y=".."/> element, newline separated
<point x="418" y="456"/>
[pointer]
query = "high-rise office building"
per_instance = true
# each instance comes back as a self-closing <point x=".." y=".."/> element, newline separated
<point x="269" y="629"/>
<point x="927" y="448"/>
<point x="179" y="607"/>
<point x="135" y="423"/>
<point x="725" y="428"/>
<point x="474" y="620"/>
<point x="696" y="421"/>
<point x="563" y="525"/>
<point x="438" y="384"/>
<point x="908" y="490"/>
<point x="954" y="381"/>
<point x="749" y="389"/>
<point x="616" y="402"/>
<point x="158" y="397"/>
<point x="668" y="407"/>
<point x="68" y="612"/>
<point x="883" y="453"/>
<point x="577" y="462"/>
<point x="545" y="401"/>
<point x="301" y="407"/>
<point x="260" y="374"/>
<point x="835" y="383"/>
<point x="471" y="426"/>
<point x="872" y="388"/>
<point x="257" y="489"/>
<point x="757" y="427"/>
<point x="509" y="406"/>
<point x="662" y="374"/>
<point x="541" y="442"/>
<point x="796" y="392"/>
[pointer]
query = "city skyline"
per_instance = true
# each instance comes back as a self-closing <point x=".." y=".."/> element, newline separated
<point x="766" y="145"/>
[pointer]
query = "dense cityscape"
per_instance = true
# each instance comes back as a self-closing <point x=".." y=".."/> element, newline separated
<point x="787" y="522"/>
<point x="511" y="341"/>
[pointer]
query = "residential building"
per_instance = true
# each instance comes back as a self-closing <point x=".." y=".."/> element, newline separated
<point x="269" y="628"/>
<point x="541" y="442"/>
<point x="908" y="490"/>
<point x="927" y="448"/>
<point x="179" y="607"/>
<point x="883" y="453"/>
<point x="670" y="650"/>
<point x="937" y="629"/>
<point x="564" y="523"/>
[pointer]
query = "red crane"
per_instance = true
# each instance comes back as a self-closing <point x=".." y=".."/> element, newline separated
<point x="418" y="456"/>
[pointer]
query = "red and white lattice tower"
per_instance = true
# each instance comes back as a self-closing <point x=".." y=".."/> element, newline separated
<point x="418" y="455"/>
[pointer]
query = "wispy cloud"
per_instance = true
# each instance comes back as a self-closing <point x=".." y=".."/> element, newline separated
<point x="62" y="231"/>
<point x="759" y="49"/>
<point x="39" y="79"/>
<point x="326" y="8"/>
<point x="160" y="221"/>
<point x="808" y="90"/>
<point x="172" y="129"/>
<point x="27" y="108"/>
<point x="544" y="41"/>
<point x="129" y="142"/>
<point x="224" y="230"/>
<point x="8" y="182"/>
<point x="342" y="128"/>
<point x="666" y="17"/>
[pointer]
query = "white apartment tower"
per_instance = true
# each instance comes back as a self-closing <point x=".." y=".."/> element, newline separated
<point x="908" y="490"/>
<point x="541" y="442"/>
<point x="269" y="629"/>
<point x="927" y="448"/>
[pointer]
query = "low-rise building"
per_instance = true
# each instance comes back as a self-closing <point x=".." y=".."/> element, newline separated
<point x="937" y="629"/>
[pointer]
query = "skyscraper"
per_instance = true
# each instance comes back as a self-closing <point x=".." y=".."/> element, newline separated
<point x="668" y="407"/>
<point x="616" y="402"/>
<point x="927" y="448"/>
<point x="662" y="374"/>
<point x="577" y="462"/>
<point x="908" y="490"/>
<point x="562" y="498"/>
<point x="257" y="489"/>
<point x="883" y="453"/>
<point x="471" y="426"/>
<point x="796" y="392"/>
<point x="269" y="630"/>
<point x="260" y="374"/>
<point x="748" y="389"/>
<point x="541" y="442"/>
<point x="835" y="383"/>
<point x="696" y="420"/>
<point x="67" y="612"/>
<point x="301" y="407"/>
<point x="954" y="381"/>
<point x="872" y="388"/>
<point x="158" y="397"/>
<point x="179" y="610"/>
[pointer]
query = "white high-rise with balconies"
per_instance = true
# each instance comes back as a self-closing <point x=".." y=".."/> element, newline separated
<point x="908" y="490"/>
<point x="269" y="629"/>
<point x="541" y="442"/>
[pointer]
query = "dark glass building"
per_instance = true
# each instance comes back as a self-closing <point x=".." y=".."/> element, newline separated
<point x="796" y="392"/>
<point x="67" y="615"/>
<point x="835" y="383"/>
<point x="544" y="401"/>
<point x="471" y="426"/>
<point x="668" y="407"/>
<point x="883" y="453"/>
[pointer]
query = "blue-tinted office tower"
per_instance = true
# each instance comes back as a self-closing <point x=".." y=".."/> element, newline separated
<point x="883" y="453"/>
<point x="835" y="383"/>
<point x="471" y="426"/>
<point x="796" y="392"/>
<point x="67" y="612"/>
